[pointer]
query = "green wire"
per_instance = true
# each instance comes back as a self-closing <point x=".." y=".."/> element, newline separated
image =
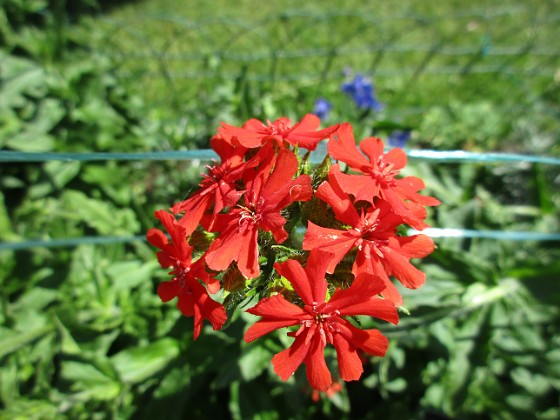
<point x="316" y="157"/>
<point x="69" y="242"/>
<point x="432" y="232"/>
<point x="207" y="154"/>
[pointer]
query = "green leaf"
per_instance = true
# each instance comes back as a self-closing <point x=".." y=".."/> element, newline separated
<point x="100" y="215"/>
<point x="6" y="231"/>
<point x="255" y="358"/>
<point x="534" y="383"/>
<point x="62" y="172"/>
<point x="251" y="401"/>
<point x="23" y="409"/>
<point x="31" y="141"/>
<point x="89" y="381"/>
<point x="20" y="77"/>
<point x="12" y="341"/>
<point x="138" y="364"/>
<point x="127" y="275"/>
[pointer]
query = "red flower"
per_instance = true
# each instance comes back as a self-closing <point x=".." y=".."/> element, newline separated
<point x="193" y="299"/>
<point x="322" y="322"/>
<point x="267" y="194"/>
<point x="372" y="231"/>
<point x="334" y="388"/>
<point x="217" y="189"/>
<point x="379" y="172"/>
<point x="254" y="133"/>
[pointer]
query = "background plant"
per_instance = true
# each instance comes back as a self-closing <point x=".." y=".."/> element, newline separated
<point x="83" y="333"/>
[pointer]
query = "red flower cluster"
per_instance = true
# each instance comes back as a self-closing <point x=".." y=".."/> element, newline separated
<point x="254" y="199"/>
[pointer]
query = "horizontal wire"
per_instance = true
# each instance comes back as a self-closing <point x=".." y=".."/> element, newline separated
<point x="447" y="156"/>
<point x="463" y="156"/>
<point x="486" y="234"/>
<point x="68" y="242"/>
<point x="431" y="232"/>
<point x="11" y="156"/>
<point x="341" y="51"/>
<point x="436" y="71"/>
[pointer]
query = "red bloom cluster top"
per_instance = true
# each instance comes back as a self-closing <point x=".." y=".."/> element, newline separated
<point x="264" y="193"/>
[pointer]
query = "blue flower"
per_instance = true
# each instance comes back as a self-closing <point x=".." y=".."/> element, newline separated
<point x="362" y="92"/>
<point x="322" y="108"/>
<point x="398" y="138"/>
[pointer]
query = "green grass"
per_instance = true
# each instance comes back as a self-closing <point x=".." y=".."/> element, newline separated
<point x="282" y="56"/>
<point x="83" y="333"/>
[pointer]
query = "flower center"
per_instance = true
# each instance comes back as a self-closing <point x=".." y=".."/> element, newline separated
<point x="248" y="216"/>
<point x="324" y="323"/>
<point x="182" y="275"/>
<point x="384" y="171"/>
<point x="215" y="172"/>
<point x="370" y="240"/>
<point x="279" y="128"/>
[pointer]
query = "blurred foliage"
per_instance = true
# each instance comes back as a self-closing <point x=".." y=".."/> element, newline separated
<point x="83" y="333"/>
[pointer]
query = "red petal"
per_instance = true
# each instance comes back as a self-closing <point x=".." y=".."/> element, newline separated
<point x="397" y="157"/>
<point x="284" y="169"/>
<point x="316" y="268"/>
<point x="417" y="246"/>
<point x="372" y="264"/>
<point x="187" y="307"/>
<point x="156" y="238"/>
<point x="248" y="258"/>
<point x="301" y="190"/>
<point x="318" y="373"/>
<point x="193" y="209"/>
<point x="168" y="290"/>
<point x="205" y="308"/>
<point x="226" y="151"/>
<point x="278" y="308"/>
<point x="392" y="294"/>
<point x="331" y="193"/>
<point x="287" y="361"/>
<point x="361" y="299"/>
<point x="297" y="276"/>
<point x="399" y="266"/>
<point x="373" y="148"/>
<point x="197" y="321"/>
<point x="274" y="223"/>
<point x="212" y="311"/>
<point x="410" y="185"/>
<point x="265" y="326"/>
<point x="342" y="146"/>
<point x="336" y="242"/>
<point x="223" y="250"/>
<point x="165" y="260"/>
<point x="309" y="122"/>
<point x="213" y="285"/>
<point x="178" y="235"/>
<point x="304" y="135"/>
<point x="363" y="188"/>
<point x="247" y="136"/>
<point x="349" y="363"/>
<point x="370" y="341"/>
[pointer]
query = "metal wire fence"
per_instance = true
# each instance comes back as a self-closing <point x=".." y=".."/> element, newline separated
<point x="431" y="156"/>
<point x="438" y="57"/>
